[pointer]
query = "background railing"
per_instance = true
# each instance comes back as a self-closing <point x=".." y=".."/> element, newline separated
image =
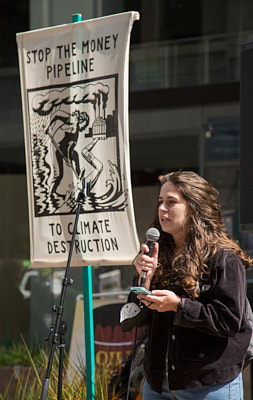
<point x="187" y="62"/>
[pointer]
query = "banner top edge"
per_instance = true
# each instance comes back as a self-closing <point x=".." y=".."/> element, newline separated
<point x="134" y="14"/>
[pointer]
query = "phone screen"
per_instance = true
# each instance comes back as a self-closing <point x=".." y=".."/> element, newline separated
<point x="139" y="290"/>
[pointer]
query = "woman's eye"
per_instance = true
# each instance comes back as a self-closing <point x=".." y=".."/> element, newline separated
<point x="168" y="202"/>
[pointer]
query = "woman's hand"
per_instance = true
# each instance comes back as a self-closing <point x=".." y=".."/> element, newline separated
<point x="160" y="300"/>
<point x="145" y="263"/>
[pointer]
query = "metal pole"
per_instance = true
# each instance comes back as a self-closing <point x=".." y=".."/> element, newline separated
<point x="89" y="332"/>
<point x="88" y="313"/>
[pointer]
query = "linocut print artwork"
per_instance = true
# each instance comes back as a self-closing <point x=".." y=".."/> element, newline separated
<point x="74" y="85"/>
<point x="74" y="128"/>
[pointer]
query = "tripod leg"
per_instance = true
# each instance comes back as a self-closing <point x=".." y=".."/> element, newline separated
<point x="62" y="331"/>
<point x="61" y="351"/>
<point x="45" y="388"/>
<point x="46" y="382"/>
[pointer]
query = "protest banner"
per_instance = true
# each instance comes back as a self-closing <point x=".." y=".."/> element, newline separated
<point x="74" y="84"/>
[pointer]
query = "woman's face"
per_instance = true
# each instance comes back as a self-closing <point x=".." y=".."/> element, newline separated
<point x="173" y="212"/>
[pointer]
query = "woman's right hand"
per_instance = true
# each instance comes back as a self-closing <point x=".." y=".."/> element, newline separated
<point x="145" y="263"/>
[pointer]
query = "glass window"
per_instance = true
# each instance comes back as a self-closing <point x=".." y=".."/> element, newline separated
<point x="14" y="18"/>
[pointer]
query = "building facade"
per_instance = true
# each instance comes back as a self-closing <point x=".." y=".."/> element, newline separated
<point x="184" y="114"/>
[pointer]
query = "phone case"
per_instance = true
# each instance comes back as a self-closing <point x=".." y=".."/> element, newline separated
<point x="139" y="290"/>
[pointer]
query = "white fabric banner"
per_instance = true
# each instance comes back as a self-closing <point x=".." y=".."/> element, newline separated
<point x="74" y="82"/>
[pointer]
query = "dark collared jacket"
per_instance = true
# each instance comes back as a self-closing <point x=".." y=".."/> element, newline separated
<point x="206" y="340"/>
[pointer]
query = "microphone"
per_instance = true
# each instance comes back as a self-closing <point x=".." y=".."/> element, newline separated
<point x="152" y="236"/>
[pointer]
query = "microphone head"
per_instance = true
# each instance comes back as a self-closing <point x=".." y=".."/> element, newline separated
<point x="152" y="235"/>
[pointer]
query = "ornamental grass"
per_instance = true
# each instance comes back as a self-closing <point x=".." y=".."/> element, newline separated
<point x="27" y="383"/>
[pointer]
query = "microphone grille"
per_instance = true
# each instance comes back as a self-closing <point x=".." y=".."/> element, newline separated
<point x="152" y="234"/>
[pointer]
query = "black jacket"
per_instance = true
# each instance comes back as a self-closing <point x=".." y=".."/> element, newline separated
<point x="206" y="340"/>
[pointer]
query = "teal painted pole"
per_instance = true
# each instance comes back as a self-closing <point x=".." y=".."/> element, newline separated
<point x="76" y="17"/>
<point x="89" y="332"/>
<point x="88" y="313"/>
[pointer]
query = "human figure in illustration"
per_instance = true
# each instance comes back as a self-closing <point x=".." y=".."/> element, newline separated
<point x="66" y="128"/>
<point x="70" y="125"/>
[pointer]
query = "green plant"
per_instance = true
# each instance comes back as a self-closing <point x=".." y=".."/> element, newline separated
<point x="16" y="354"/>
<point x="29" y="386"/>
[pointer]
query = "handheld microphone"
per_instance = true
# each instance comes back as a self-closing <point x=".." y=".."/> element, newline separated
<point x="152" y="236"/>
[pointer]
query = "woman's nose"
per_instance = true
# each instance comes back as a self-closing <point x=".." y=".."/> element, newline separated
<point x="161" y="206"/>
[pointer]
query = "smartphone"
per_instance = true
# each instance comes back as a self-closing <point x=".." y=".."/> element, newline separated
<point x="139" y="290"/>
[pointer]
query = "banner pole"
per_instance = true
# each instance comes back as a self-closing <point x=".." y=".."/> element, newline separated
<point x="88" y="312"/>
<point x="89" y="332"/>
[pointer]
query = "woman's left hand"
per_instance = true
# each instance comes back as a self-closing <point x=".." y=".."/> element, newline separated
<point x="160" y="300"/>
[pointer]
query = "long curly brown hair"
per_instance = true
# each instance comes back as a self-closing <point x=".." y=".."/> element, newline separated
<point x="206" y="234"/>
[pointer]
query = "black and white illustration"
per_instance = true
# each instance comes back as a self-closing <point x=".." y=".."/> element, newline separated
<point x="74" y="85"/>
<point x="74" y="135"/>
